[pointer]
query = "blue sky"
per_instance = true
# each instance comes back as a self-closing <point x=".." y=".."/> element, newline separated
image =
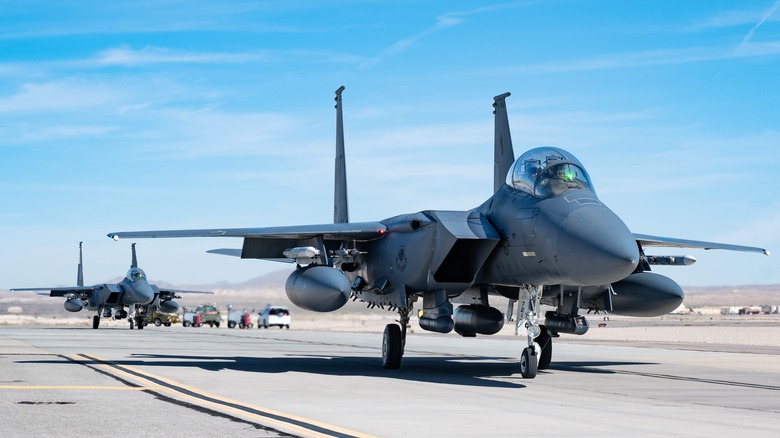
<point x="199" y="114"/>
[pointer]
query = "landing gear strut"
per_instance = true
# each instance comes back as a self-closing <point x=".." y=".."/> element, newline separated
<point x="528" y="302"/>
<point x="394" y="341"/>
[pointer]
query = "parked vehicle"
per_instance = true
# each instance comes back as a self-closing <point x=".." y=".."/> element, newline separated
<point x="202" y="315"/>
<point x="242" y="319"/>
<point x="189" y="317"/>
<point x="274" y="315"/>
<point x="159" y="318"/>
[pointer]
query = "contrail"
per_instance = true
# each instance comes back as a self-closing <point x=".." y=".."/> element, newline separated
<point x="749" y="35"/>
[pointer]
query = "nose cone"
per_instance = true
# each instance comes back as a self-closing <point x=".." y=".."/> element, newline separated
<point x="595" y="247"/>
<point x="140" y="293"/>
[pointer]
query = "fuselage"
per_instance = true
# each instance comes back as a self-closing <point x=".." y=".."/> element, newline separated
<point x="545" y="226"/>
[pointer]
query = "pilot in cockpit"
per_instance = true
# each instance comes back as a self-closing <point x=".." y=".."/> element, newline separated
<point x="556" y="180"/>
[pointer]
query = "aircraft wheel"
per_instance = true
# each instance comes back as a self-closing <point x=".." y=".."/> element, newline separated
<point x="528" y="363"/>
<point x="157" y="322"/>
<point x="391" y="347"/>
<point x="545" y="344"/>
<point x="95" y="321"/>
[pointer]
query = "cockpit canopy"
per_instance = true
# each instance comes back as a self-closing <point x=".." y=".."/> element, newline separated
<point x="135" y="274"/>
<point x="546" y="172"/>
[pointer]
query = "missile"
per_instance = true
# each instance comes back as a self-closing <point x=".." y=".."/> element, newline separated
<point x="671" y="260"/>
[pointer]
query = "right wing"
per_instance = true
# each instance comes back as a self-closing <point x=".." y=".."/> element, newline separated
<point x="347" y="231"/>
<point x="61" y="291"/>
<point x="269" y="243"/>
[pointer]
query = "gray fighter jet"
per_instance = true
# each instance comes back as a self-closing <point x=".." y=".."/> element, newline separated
<point x="133" y="293"/>
<point x="544" y="237"/>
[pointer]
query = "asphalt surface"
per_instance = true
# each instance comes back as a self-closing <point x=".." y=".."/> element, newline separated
<point x="175" y="381"/>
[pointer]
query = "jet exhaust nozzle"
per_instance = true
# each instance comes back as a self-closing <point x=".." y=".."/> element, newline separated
<point x="575" y="325"/>
<point x="318" y="288"/>
<point x="73" y="305"/>
<point x="472" y="319"/>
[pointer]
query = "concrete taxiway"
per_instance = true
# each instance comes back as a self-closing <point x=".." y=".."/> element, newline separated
<point x="175" y="381"/>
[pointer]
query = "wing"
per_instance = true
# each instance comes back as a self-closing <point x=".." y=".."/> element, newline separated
<point x="271" y="242"/>
<point x="647" y="240"/>
<point x="348" y="231"/>
<point x="182" y="291"/>
<point x="61" y="291"/>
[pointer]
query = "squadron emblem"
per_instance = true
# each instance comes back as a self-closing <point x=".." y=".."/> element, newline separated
<point x="400" y="259"/>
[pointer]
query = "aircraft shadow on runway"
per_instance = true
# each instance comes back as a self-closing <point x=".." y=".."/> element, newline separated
<point x="488" y="372"/>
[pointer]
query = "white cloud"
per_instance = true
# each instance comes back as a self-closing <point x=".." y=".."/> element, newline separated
<point x="125" y="56"/>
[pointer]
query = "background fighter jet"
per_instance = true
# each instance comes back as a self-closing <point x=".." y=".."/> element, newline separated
<point x="133" y="294"/>
<point x="544" y="237"/>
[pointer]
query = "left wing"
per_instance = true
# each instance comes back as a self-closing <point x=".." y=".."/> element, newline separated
<point x="647" y="240"/>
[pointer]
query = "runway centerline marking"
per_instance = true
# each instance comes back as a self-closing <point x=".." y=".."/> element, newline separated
<point x="265" y="416"/>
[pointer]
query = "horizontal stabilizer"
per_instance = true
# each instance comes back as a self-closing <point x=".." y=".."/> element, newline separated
<point x="647" y="240"/>
<point x="236" y="252"/>
<point x="232" y="252"/>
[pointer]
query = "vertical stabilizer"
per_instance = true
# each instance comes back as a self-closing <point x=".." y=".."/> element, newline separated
<point x="134" y="263"/>
<point x="504" y="155"/>
<point x="340" y="208"/>
<point x="80" y="274"/>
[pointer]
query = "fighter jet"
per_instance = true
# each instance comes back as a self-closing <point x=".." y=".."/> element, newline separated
<point x="133" y="293"/>
<point x="543" y="237"/>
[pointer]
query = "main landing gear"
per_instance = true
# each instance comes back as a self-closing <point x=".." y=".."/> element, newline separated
<point x="394" y="341"/>
<point x="95" y="321"/>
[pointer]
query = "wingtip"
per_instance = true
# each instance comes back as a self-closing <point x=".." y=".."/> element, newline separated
<point x="113" y="236"/>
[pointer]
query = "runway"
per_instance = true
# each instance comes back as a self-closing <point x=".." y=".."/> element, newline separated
<point x="175" y="381"/>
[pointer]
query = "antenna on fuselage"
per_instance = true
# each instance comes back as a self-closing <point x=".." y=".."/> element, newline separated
<point x="503" y="154"/>
<point x="340" y="207"/>
<point x="80" y="274"/>
<point x="134" y="263"/>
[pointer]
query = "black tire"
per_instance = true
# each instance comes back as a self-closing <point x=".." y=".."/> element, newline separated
<point x="242" y="325"/>
<point x="157" y="322"/>
<point x="231" y="324"/>
<point x="95" y="322"/>
<point x="545" y="344"/>
<point x="139" y="323"/>
<point x="132" y="323"/>
<point x="216" y="324"/>
<point x="528" y="363"/>
<point x="391" y="347"/>
<point x="167" y="324"/>
<point x="287" y="326"/>
<point x="186" y="323"/>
